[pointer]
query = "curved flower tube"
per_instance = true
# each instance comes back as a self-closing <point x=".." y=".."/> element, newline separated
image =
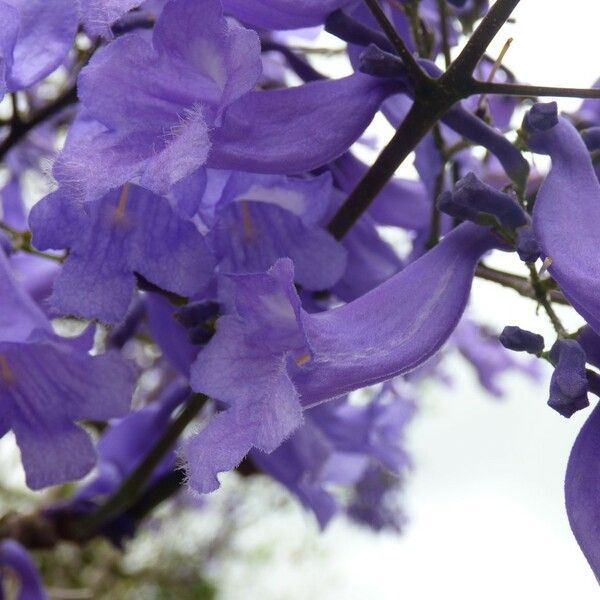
<point x="567" y="201"/>
<point x="299" y="359"/>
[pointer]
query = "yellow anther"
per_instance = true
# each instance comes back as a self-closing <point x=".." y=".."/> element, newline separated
<point x="302" y="360"/>
<point x="122" y="205"/>
<point x="6" y="374"/>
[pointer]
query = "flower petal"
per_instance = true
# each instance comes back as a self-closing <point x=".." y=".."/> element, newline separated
<point x="296" y="129"/>
<point x="582" y="490"/>
<point x="567" y="210"/>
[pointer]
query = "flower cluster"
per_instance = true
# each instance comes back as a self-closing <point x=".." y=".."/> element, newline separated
<point x="212" y="226"/>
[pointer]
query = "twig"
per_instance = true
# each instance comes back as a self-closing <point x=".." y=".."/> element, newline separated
<point x="531" y="91"/>
<point x="519" y="284"/>
<point x="129" y="490"/>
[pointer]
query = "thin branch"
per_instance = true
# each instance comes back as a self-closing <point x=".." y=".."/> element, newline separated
<point x="541" y="295"/>
<point x="495" y="68"/>
<point x="419" y="120"/>
<point x="465" y="63"/>
<point x="128" y="492"/>
<point x="519" y="284"/>
<point x="412" y="66"/>
<point x="531" y="91"/>
<point x="21" y="241"/>
<point x="443" y="11"/>
<point x="20" y="130"/>
<point x="432" y="98"/>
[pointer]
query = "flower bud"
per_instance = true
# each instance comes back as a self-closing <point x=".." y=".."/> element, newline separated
<point x="527" y="245"/>
<point x="521" y="340"/>
<point x="472" y="198"/>
<point x="569" y="384"/>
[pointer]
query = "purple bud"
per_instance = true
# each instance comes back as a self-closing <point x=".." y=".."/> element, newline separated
<point x="541" y="117"/>
<point x="521" y="340"/>
<point x="569" y="384"/>
<point x="457" y="3"/>
<point x="527" y="245"/>
<point x="472" y="198"/>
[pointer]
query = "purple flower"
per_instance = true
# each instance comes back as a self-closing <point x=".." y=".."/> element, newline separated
<point x="567" y="210"/>
<point x="36" y="36"/>
<point x="159" y="109"/>
<point x="569" y="385"/>
<point x="336" y="445"/>
<point x="299" y="360"/>
<point x="171" y="337"/>
<point x="156" y="100"/>
<point x="47" y="383"/>
<point x="261" y="218"/>
<point x="14" y="557"/>
<point x="127" y="232"/>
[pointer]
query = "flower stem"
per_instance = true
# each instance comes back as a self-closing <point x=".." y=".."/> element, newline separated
<point x="128" y="492"/>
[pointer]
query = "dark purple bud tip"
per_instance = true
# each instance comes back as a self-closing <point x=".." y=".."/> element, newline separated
<point x="457" y="3"/>
<point x="569" y="384"/>
<point x="378" y="63"/>
<point x="197" y="313"/>
<point x="521" y="340"/>
<point x="541" y="117"/>
<point x="527" y="245"/>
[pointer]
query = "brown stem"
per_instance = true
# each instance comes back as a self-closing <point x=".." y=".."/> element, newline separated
<point x="531" y="91"/>
<point x="419" y="120"/>
<point x="519" y="284"/>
